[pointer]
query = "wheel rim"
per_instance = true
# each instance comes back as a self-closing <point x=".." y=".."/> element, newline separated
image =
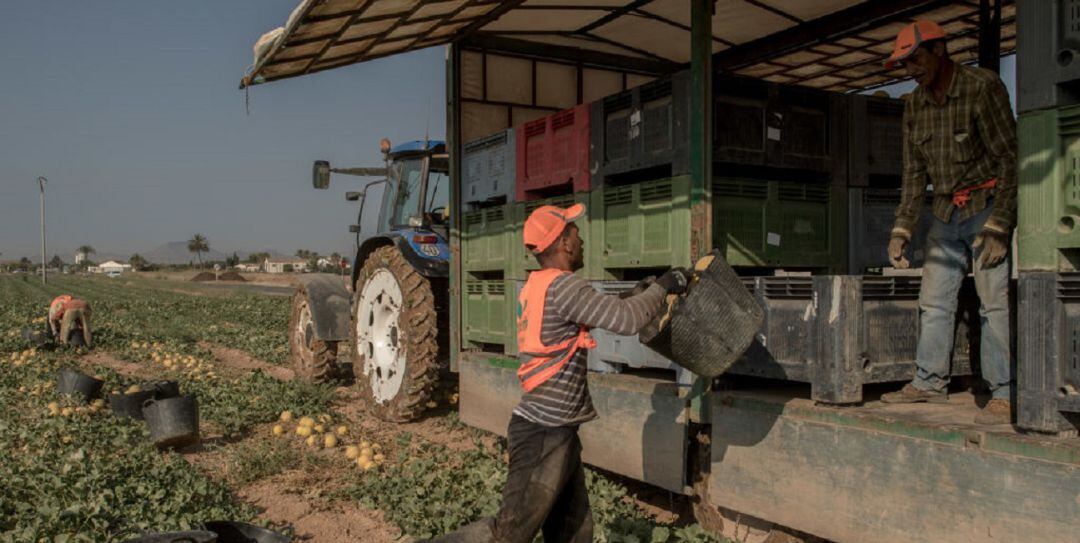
<point x="378" y="337"/>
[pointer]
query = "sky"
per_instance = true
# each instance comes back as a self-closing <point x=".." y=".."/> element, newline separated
<point x="131" y="110"/>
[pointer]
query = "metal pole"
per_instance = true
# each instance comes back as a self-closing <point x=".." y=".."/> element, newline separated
<point x="44" y="273"/>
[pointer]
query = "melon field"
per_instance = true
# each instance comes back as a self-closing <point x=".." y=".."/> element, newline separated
<point x="300" y="458"/>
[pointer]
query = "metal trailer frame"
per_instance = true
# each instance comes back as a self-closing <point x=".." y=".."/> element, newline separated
<point x="870" y="473"/>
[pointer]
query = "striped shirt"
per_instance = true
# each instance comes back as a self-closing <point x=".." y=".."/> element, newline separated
<point x="563" y="400"/>
<point x="967" y="140"/>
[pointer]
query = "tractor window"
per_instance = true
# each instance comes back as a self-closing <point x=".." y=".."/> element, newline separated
<point x="407" y="200"/>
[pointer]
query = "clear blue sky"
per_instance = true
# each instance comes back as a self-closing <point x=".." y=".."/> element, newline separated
<point x="131" y="110"/>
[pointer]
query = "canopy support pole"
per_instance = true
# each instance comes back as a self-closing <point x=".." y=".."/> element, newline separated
<point x="990" y="35"/>
<point x="701" y="14"/>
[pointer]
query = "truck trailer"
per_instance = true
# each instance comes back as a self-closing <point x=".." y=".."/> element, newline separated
<point x="743" y="127"/>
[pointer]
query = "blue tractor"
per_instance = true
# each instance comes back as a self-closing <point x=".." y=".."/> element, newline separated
<point x="392" y="314"/>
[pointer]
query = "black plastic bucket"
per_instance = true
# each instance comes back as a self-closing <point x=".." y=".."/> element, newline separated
<point x="173" y="422"/>
<point x="190" y="536"/>
<point x="37" y="337"/>
<point x="164" y="389"/>
<point x="130" y="405"/>
<point x="712" y="325"/>
<point x="73" y="383"/>
<point x="241" y="532"/>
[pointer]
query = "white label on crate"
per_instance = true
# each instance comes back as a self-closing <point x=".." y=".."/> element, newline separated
<point x="772" y="133"/>
<point x="773" y="239"/>
<point x="635" y="117"/>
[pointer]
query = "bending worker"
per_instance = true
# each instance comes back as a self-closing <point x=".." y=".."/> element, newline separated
<point x="545" y="487"/>
<point x="67" y="314"/>
<point x="959" y="136"/>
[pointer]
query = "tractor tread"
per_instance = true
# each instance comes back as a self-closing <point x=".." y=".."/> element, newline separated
<point x="419" y="314"/>
<point x="318" y="364"/>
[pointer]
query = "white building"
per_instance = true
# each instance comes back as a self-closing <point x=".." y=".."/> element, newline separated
<point x="80" y="257"/>
<point x="277" y="265"/>
<point x="248" y="268"/>
<point x="111" y="267"/>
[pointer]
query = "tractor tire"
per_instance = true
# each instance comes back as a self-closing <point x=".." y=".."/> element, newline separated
<point x="395" y="347"/>
<point x="313" y="360"/>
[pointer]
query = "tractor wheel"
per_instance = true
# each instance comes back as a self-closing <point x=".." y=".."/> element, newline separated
<point x="314" y="360"/>
<point x="395" y="337"/>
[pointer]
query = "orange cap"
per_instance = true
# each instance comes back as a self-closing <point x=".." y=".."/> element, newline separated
<point x="911" y="37"/>
<point x="546" y="223"/>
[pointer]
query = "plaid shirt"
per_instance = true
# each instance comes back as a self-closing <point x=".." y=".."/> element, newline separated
<point x="965" y="141"/>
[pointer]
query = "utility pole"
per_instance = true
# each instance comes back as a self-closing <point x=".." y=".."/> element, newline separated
<point x="44" y="274"/>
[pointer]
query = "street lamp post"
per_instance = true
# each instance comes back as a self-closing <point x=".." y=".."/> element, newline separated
<point x="44" y="276"/>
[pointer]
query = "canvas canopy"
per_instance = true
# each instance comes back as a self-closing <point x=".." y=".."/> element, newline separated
<point x="830" y="44"/>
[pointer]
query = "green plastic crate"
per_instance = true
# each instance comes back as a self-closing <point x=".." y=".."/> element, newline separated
<point x="485" y="238"/>
<point x="644" y="225"/>
<point x="1048" y="193"/>
<point x="782" y="224"/>
<point x="488" y="312"/>
<point x="522" y="261"/>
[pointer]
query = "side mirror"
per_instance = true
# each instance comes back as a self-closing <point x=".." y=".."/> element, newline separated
<point x="320" y="174"/>
<point x="354" y="195"/>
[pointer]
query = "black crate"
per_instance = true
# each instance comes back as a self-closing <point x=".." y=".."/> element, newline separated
<point x="643" y="133"/>
<point x="871" y="214"/>
<point x="1048" y="353"/>
<point x="1048" y="54"/>
<point x="841" y="332"/>
<point x="875" y="141"/>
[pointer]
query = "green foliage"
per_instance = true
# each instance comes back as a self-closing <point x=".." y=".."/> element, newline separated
<point x="236" y="404"/>
<point x="250" y="462"/>
<point x="431" y="490"/>
<point x="90" y="477"/>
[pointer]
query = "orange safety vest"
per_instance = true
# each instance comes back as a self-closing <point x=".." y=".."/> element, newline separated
<point x="540" y="362"/>
<point x="62" y="303"/>
<point x="56" y="308"/>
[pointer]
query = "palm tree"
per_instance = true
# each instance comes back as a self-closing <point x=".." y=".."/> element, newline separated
<point x="198" y="244"/>
<point x="85" y="250"/>
<point x="137" y="262"/>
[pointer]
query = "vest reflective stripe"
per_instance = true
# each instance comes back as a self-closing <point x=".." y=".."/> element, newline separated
<point x="540" y="362"/>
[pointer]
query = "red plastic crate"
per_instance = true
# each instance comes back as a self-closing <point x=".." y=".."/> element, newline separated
<point x="553" y="154"/>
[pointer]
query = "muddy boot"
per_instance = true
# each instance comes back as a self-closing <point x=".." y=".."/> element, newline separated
<point x="996" y="411"/>
<point x="910" y="394"/>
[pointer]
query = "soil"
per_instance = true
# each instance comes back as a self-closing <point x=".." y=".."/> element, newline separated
<point x="239" y="361"/>
<point x="204" y="276"/>
<point x="123" y="367"/>
<point x="285" y="499"/>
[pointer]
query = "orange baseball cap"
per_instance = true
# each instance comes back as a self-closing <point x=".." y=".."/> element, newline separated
<point x="911" y="37"/>
<point x="546" y="223"/>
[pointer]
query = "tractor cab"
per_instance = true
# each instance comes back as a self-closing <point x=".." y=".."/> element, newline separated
<point x="417" y="194"/>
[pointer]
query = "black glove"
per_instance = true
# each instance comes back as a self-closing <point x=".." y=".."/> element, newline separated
<point x="675" y="280"/>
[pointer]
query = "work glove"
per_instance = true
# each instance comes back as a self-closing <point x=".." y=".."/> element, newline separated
<point x="897" y="246"/>
<point x="995" y="246"/>
<point x="675" y="280"/>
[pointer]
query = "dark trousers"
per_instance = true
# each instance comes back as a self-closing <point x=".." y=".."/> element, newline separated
<point x="545" y="491"/>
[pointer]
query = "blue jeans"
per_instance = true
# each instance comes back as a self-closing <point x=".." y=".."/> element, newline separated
<point x="948" y="254"/>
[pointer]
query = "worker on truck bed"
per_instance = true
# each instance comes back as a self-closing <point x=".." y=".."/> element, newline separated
<point x="959" y="136"/>
<point x="545" y="487"/>
<point x="66" y="314"/>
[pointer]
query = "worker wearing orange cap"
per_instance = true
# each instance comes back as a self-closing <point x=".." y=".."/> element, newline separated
<point x="545" y="487"/>
<point x="959" y="136"/>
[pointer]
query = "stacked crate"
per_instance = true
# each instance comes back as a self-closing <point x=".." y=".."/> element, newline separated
<point x="1047" y="233"/>
<point x="488" y="194"/>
